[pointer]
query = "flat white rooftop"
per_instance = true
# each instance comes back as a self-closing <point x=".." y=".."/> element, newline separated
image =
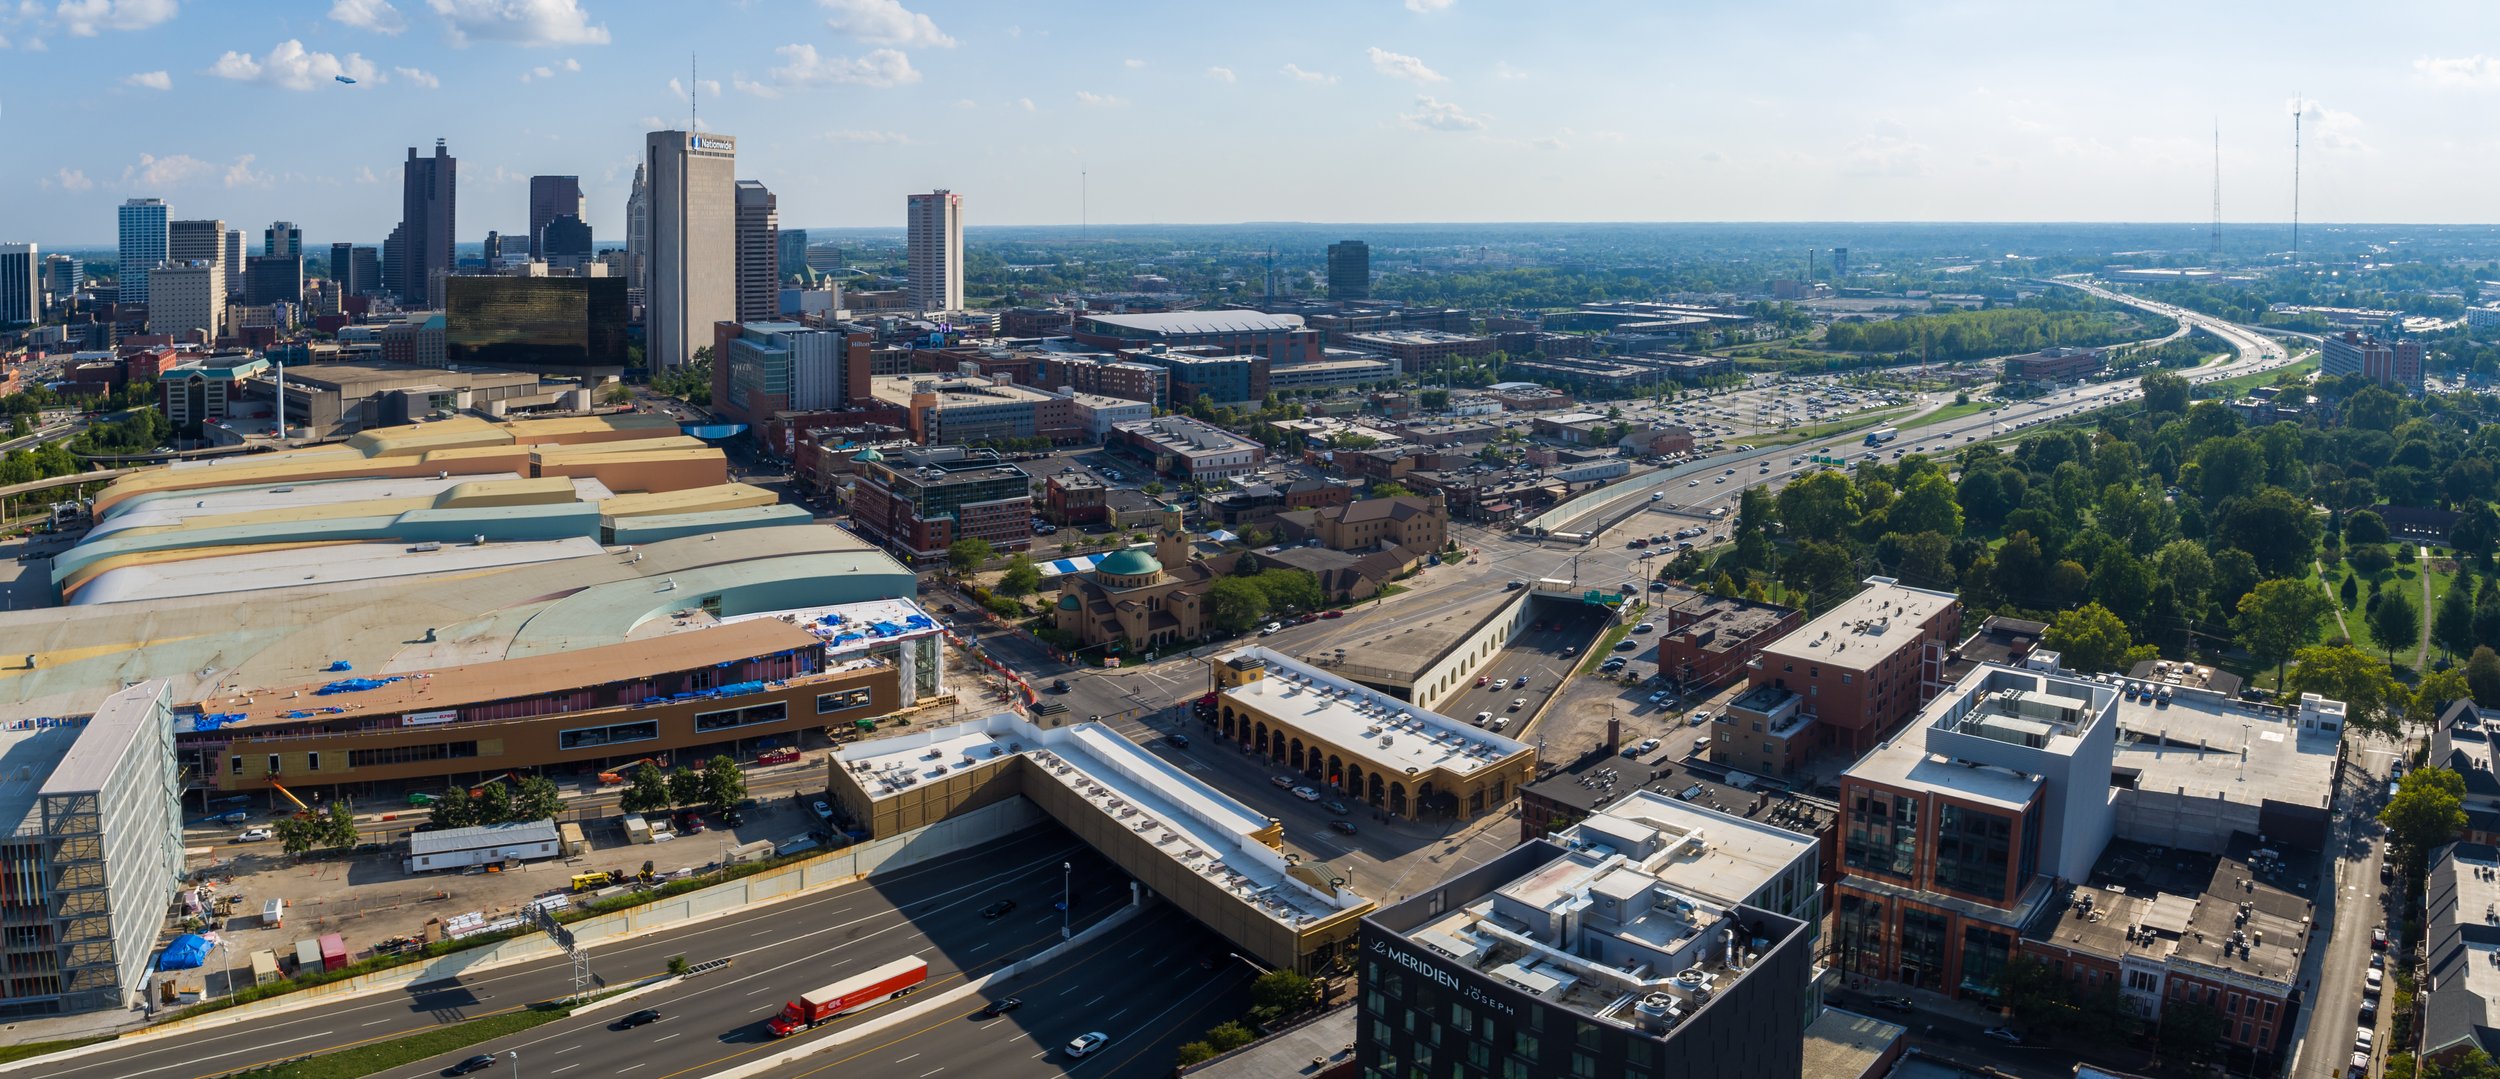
<point x="172" y="507"/>
<point x="2206" y="745"/>
<point x="1385" y="733"/>
<point x="1865" y="628"/>
<point x="1706" y="853"/>
<point x="1196" y="825"/>
<point x="1905" y="763"/>
<point x="851" y="627"/>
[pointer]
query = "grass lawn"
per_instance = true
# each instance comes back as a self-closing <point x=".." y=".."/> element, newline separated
<point x="1948" y="412"/>
<point x="1822" y="431"/>
<point x="2233" y="387"/>
<point x="1605" y="647"/>
<point x="23" y="1050"/>
<point x="2404" y="578"/>
<point x="380" y="1056"/>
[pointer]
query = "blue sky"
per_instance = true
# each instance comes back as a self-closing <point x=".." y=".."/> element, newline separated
<point x="1190" y="111"/>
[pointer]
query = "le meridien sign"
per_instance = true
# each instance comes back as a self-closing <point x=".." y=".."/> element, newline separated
<point x="1416" y="963"/>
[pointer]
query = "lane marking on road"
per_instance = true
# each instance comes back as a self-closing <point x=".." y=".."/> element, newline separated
<point x="562" y="1070"/>
<point x="930" y="1072"/>
<point x="1070" y="989"/>
<point x="1115" y="1015"/>
<point x="666" y="1037"/>
<point x="631" y="1067"/>
<point x="1096" y="1000"/>
<point x="375" y="1023"/>
<point x="914" y="1056"/>
<point x="238" y="1052"/>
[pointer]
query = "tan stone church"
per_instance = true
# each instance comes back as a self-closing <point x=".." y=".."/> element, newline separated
<point x="1150" y="601"/>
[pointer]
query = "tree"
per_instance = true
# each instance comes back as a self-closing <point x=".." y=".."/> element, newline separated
<point x="2347" y="674"/>
<point x="1290" y="590"/>
<point x="648" y="792"/>
<point x="2427" y="811"/>
<point x="1280" y="993"/>
<point x="724" y="783"/>
<point x="452" y="810"/>
<point x="2089" y="639"/>
<point x="969" y="553"/>
<point x="2191" y="1033"/>
<point x="338" y="827"/>
<point x="2369" y="560"/>
<point x="617" y="393"/>
<point x="1390" y="489"/>
<point x="1929" y="504"/>
<point x="298" y="834"/>
<point x="2349" y="591"/>
<point x="2396" y="623"/>
<point x="1820" y="505"/>
<point x="538" y="799"/>
<point x="492" y="803"/>
<point x="2190" y="572"/>
<point x="2165" y="393"/>
<point x="2278" y="616"/>
<point x="685" y="786"/>
<point x="2452" y="624"/>
<point x="2274" y="526"/>
<point x="2365" y="527"/>
<point x="2438" y="690"/>
<point x="1237" y="604"/>
<point x="2482" y="676"/>
<point x="1230" y="1035"/>
<point x="1022" y="578"/>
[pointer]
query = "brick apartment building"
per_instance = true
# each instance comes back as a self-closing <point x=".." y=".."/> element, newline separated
<point x="1706" y="640"/>
<point x="918" y="502"/>
<point x="1863" y="666"/>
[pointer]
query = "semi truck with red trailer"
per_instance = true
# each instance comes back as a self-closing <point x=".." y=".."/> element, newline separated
<point x="888" y="982"/>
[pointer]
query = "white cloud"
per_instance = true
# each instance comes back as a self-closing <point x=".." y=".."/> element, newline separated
<point x="1503" y="70"/>
<point x="879" y="67"/>
<point x="364" y="175"/>
<point x="1087" y="97"/>
<point x="966" y="103"/>
<point x="895" y="137"/>
<point x="375" y="15"/>
<point x="518" y="22"/>
<point x="745" y="85"/>
<point x="1427" y="7"/>
<point x="71" y="180"/>
<point x="418" y="77"/>
<point x="35" y="44"/>
<point x="2330" y="129"/>
<point x="1132" y="63"/>
<point x="1398" y="65"/>
<point x="1028" y="104"/>
<point x="153" y="80"/>
<point x="291" y="66"/>
<point x="2475" y="72"/>
<point x="1885" y="154"/>
<point x="548" y="71"/>
<point x="240" y="174"/>
<point x="82" y="18"/>
<point x="154" y="171"/>
<point x="1551" y="142"/>
<point x="708" y="87"/>
<point x="1295" y="71"/>
<point x="1433" y="114"/>
<point x="884" y="22"/>
<point x="1221" y="74"/>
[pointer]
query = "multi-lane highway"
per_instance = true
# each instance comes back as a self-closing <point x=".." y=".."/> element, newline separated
<point x="1151" y="985"/>
<point x="778" y="951"/>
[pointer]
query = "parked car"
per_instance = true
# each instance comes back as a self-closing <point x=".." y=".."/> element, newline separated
<point x="1281" y="782"/>
<point x="1270" y="628"/>
<point x="1897" y="1004"/>
<point x="1306" y="794"/>
<point x="1334" y="806"/>
<point x="253" y="835"/>
<point x="2004" y="1034"/>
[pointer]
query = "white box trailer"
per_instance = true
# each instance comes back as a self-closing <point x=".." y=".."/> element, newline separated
<point x="486" y="844"/>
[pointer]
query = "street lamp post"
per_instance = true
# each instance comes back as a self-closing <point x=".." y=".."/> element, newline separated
<point x="515" y="1054"/>
<point x="1067" y="872"/>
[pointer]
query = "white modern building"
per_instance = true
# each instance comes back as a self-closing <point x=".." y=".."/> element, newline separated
<point x="21" y="284"/>
<point x="1100" y="414"/>
<point x="936" y="241"/>
<point x="143" y="223"/>
<point x="693" y="266"/>
<point x="90" y="808"/>
<point x="188" y="297"/>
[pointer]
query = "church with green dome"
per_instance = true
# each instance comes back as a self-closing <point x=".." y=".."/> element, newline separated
<point x="1143" y="601"/>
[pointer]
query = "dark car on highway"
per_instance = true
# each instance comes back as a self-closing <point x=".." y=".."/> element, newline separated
<point x="477" y="1063"/>
<point x="641" y="1018"/>
<point x="998" y="909"/>
<point x="1001" y="1006"/>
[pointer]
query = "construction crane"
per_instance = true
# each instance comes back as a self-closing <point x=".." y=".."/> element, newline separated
<point x="626" y="770"/>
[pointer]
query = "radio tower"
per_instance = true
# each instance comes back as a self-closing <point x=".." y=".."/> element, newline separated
<point x="2299" y="105"/>
<point x="2213" y="239"/>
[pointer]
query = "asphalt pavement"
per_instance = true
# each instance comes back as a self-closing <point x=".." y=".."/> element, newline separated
<point x="1150" y="985"/>
<point x="778" y="951"/>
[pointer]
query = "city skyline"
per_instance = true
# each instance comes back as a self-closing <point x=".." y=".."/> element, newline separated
<point x="1916" y="114"/>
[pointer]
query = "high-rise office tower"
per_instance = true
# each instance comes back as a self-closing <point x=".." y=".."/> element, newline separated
<point x="564" y="242"/>
<point x="552" y="197"/>
<point x="269" y="279"/>
<point x="692" y="272"/>
<point x="428" y="218"/>
<point x="394" y="257"/>
<point x="637" y="231"/>
<point x="1349" y="270"/>
<point x="936" y="243"/>
<point x="21" y="284"/>
<point x="793" y="254"/>
<point x="234" y="254"/>
<point x="196" y="241"/>
<point x="1840" y="263"/>
<point x="188" y="298"/>
<point x="343" y="270"/>
<point x="143" y="238"/>
<point x="759" y="254"/>
<point x="62" y="275"/>
<point x="282" y="240"/>
<point x="493" y="248"/>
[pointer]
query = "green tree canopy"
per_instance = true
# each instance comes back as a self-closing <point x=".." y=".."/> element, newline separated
<point x="2279" y="616"/>
<point x="1022" y="578"/>
<point x="1236" y="604"/>
<point x="969" y="554"/>
<point x="2427" y="811"/>
<point x="2089" y="639"/>
<point x="724" y="783"/>
<point x="2396" y="623"/>
<point x="2347" y="674"/>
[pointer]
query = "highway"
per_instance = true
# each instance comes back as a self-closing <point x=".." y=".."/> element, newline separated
<point x="1151" y="985"/>
<point x="778" y="951"/>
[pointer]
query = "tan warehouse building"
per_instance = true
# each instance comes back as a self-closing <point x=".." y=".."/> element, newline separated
<point x="1398" y="758"/>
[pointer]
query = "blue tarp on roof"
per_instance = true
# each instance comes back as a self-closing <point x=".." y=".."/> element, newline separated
<point x="187" y="951"/>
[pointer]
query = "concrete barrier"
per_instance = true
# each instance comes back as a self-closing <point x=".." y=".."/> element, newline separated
<point x="830" y="870"/>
